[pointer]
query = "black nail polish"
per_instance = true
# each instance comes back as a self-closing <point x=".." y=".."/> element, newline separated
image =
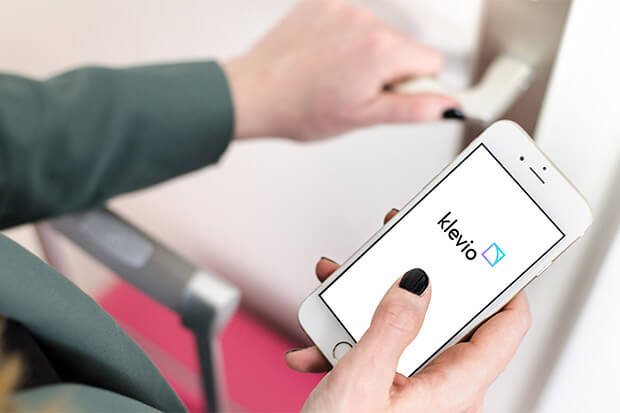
<point x="329" y="259"/>
<point x="415" y="281"/>
<point x="292" y="350"/>
<point x="454" y="113"/>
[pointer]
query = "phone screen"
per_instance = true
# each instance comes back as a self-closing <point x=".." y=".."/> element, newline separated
<point x="475" y="233"/>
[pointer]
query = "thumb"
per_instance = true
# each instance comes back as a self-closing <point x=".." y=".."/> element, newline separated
<point x="392" y="107"/>
<point x="395" y="324"/>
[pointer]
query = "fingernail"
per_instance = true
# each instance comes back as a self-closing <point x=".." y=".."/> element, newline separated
<point x="394" y="210"/>
<point x="292" y="350"/>
<point x="415" y="281"/>
<point x="328" y="259"/>
<point x="454" y="113"/>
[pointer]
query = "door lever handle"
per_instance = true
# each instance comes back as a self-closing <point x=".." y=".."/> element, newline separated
<point x="501" y="85"/>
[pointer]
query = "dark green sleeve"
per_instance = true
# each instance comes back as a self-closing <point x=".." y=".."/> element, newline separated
<point x="75" y="140"/>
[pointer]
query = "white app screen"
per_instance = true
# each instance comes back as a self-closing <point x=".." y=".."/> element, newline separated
<point x="474" y="234"/>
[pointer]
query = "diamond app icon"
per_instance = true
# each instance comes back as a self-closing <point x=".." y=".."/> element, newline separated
<point x="493" y="254"/>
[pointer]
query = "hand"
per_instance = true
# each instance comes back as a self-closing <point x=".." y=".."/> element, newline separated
<point x="323" y="70"/>
<point x="456" y="381"/>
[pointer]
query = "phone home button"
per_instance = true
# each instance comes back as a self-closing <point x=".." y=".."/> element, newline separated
<point x="341" y="349"/>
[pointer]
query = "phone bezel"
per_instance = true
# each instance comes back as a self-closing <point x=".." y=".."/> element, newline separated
<point x="557" y="197"/>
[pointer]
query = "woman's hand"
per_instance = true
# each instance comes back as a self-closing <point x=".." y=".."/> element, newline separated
<point x="324" y="69"/>
<point x="456" y="381"/>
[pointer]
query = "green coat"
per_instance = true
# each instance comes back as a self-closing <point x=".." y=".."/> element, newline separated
<point x="70" y="143"/>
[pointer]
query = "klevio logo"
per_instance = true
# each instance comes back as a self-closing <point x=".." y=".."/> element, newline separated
<point x="492" y="255"/>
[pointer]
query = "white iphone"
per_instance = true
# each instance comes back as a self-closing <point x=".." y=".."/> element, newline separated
<point x="482" y="229"/>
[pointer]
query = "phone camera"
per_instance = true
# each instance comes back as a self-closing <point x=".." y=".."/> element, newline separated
<point x="522" y="158"/>
<point x="544" y="168"/>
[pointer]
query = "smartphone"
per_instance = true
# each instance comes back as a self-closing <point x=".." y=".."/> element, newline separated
<point x="483" y="228"/>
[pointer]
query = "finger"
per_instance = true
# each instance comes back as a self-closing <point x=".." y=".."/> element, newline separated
<point x="395" y="324"/>
<point x="392" y="107"/>
<point x="390" y="215"/>
<point x="307" y="360"/>
<point x="469" y="367"/>
<point x="415" y="59"/>
<point x="324" y="268"/>
<point x="402" y="56"/>
<point x="501" y="335"/>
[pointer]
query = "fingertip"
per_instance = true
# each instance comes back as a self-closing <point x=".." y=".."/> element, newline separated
<point x="519" y="301"/>
<point x="325" y="267"/>
<point x="307" y="360"/>
<point x="394" y="107"/>
<point x="415" y="281"/>
<point x="521" y="307"/>
<point x="453" y="113"/>
<point x="292" y="362"/>
<point x="398" y="317"/>
<point x="433" y="107"/>
<point x="328" y="260"/>
<point x="390" y="215"/>
<point x="410" y="294"/>
<point x="400" y="380"/>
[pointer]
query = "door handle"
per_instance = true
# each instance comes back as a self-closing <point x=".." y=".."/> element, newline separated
<point x="506" y="78"/>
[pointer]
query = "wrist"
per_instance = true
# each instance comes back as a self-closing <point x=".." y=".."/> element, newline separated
<point x="254" y="98"/>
